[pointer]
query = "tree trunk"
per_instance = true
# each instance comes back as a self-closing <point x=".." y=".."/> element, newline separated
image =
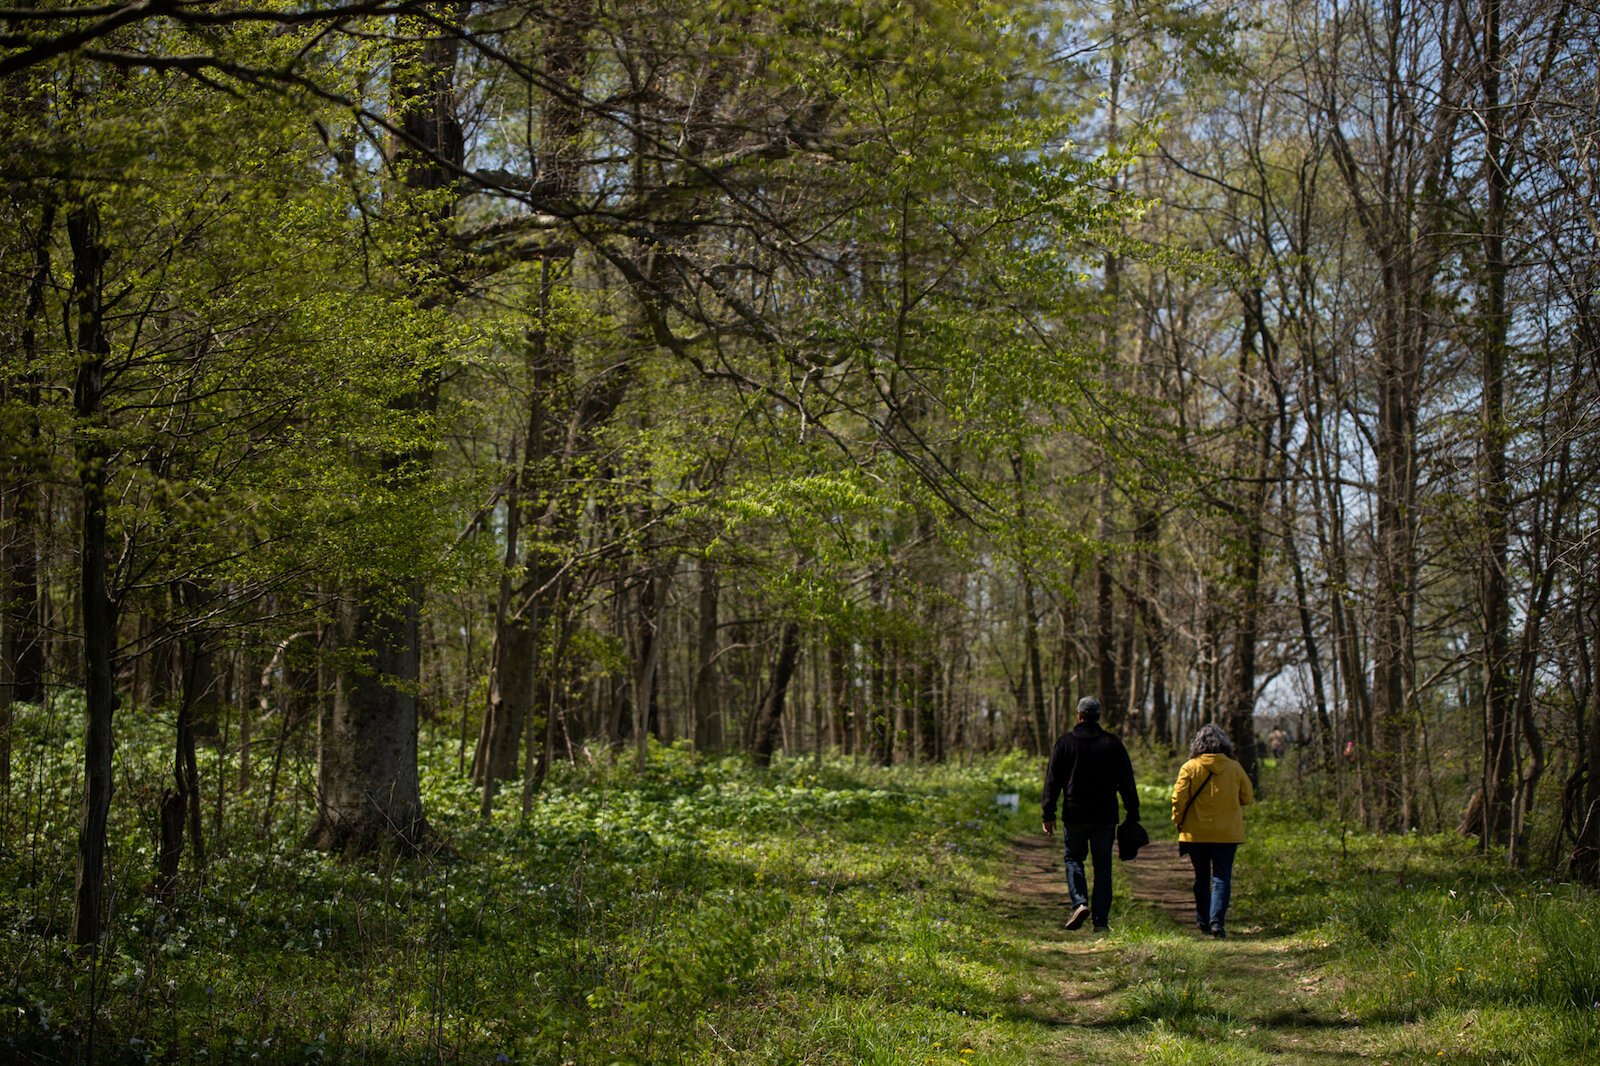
<point x="1584" y="860"/>
<point x="1105" y="638"/>
<point x="1494" y="812"/>
<point x="708" y="732"/>
<point x="771" y="713"/>
<point x="926" y="702"/>
<point x="652" y="601"/>
<point x="1308" y="638"/>
<point x="180" y="806"/>
<point x="881" y="709"/>
<point x="840" y="693"/>
<point x="1548" y="530"/>
<point x="524" y="614"/>
<point x="1111" y="699"/>
<point x="1033" y="671"/>
<point x="1401" y="208"/>
<point x="1146" y="607"/>
<point x="368" y="793"/>
<point x="510" y="670"/>
<point x="1247" y="576"/>
<point x="99" y="612"/>
<point x="22" y="652"/>
<point x="541" y="727"/>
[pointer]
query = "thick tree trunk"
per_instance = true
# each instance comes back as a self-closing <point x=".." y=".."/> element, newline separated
<point x="511" y="695"/>
<point x="203" y="682"/>
<point x="368" y="794"/>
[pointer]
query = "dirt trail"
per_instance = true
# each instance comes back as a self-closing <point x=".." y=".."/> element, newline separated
<point x="1262" y="998"/>
<point x="1158" y="877"/>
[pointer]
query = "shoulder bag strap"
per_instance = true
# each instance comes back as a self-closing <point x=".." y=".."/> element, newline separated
<point x="1194" y="796"/>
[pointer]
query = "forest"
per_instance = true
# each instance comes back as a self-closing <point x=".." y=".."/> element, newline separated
<point x="534" y="530"/>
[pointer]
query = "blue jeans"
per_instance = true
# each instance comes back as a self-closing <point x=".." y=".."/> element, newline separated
<point x="1213" y="880"/>
<point x="1093" y="841"/>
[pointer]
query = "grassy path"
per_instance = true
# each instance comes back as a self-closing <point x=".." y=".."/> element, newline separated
<point x="1154" y="990"/>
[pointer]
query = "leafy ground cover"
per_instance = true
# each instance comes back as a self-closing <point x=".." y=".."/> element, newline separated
<point x="818" y="913"/>
<point x="699" y="912"/>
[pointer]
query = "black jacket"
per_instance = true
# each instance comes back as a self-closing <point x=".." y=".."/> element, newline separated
<point x="1088" y="768"/>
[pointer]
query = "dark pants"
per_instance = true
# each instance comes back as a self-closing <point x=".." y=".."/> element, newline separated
<point x="1093" y="841"/>
<point x="1213" y="880"/>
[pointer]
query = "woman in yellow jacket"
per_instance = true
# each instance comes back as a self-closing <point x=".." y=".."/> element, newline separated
<point x="1207" y="807"/>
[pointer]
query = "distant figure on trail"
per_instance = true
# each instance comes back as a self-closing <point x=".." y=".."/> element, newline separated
<point x="1277" y="740"/>
<point x="1088" y="768"/>
<point x="1207" y="807"/>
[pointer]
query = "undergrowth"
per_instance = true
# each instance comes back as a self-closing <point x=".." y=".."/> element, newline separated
<point x="699" y="911"/>
<point x="702" y="911"/>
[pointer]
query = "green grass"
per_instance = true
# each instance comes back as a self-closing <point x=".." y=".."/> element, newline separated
<point x="701" y="912"/>
<point x="708" y="913"/>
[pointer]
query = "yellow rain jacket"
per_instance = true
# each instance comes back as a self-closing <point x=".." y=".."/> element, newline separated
<point x="1217" y="816"/>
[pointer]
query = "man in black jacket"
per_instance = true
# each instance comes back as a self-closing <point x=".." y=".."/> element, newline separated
<point x="1088" y="768"/>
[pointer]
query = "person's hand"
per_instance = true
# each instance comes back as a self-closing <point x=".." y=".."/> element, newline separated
<point x="1049" y="829"/>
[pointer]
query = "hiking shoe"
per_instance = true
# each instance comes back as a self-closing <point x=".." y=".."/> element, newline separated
<point x="1102" y="929"/>
<point x="1217" y="930"/>
<point x="1079" y="913"/>
<point x="1203" y="925"/>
